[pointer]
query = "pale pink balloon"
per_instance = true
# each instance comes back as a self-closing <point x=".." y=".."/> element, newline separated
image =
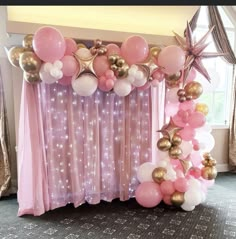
<point x="195" y="172"/>
<point x="65" y="80"/>
<point x="134" y="49"/>
<point x="178" y="121"/>
<point x="187" y="105"/>
<point x="49" y="44"/>
<point x="167" y="187"/>
<point x="71" y="46"/>
<point x="100" y="65"/>
<point x="167" y="199"/>
<point x="187" y="133"/>
<point x="197" y="119"/>
<point x="70" y="65"/>
<point x="171" y="95"/>
<point x="158" y="75"/>
<point x="171" y="109"/>
<point x="196" y="158"/>
<point x="172" y="59"/>
<point x="148" y="194"/>
<point x="113" y="49"/>
<point x="109" y="84"/>
<point x="110" y="74"/>
<point x="181" y="184"/>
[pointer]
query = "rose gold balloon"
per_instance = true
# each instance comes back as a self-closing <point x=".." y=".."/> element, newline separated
<point x="174" y="77"/>
<point x="176" y="140"/>
<point x="29" y="62"/>
<point x="158" y="174"/>
<point x="14" y="55"/>
<point x="32" y="77"/>
<point x="209" y="173"/>
<point x="177" y="199"/>
<point x="175" y="152"/>
<point x="163" y="144"/>
<point x="194" y="89"/>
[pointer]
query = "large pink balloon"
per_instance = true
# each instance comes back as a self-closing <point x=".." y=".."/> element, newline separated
<point x="134" y="49"/>
<point x="187" y="133"/>
<point x="100" y="65"/>
<point x="112" y="49"/>
<point x="167" y="187"/>
<point x="70" y="65"/>
<point x="181" y="184"/>
<point x="172" y="59"/>
<point x="49" y="44"/>
<point x="71" y="46"/>
<point x="148" y="194"/>
<point x="197" y="119"/>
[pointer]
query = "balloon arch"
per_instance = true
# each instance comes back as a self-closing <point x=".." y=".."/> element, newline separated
<point x="185" y="168"/>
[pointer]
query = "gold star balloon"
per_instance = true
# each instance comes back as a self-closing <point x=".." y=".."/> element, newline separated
<point x="195" y="52"/>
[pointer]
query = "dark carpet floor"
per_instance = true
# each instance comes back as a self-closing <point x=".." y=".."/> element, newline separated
<point x="214" y="219"/>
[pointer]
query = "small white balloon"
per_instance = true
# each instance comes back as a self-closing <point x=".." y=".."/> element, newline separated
<point x="132" y="70"/>
<point x="193" y="197"/>
<point x="56" y="73"/>
<point x="58" y="64"/>
<point x="187" y="207"/>
<point x="206" y="141"/>
<point x="194" y="184"/>
<point x="84" y="54"/>
<point x="144" y="172"/>
<point x="46" y="77"/>
<point x="47" y="66"/>
<point x="139" y="75"/>
<point x="130" y="78"/>
<point x="122" y="87"/>
<point x="85" y="85"/>
<point x="138" y="82"/>
<point x="162" y="163"/>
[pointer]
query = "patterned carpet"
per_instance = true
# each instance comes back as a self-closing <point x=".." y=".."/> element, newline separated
<point x="215" y="219"/>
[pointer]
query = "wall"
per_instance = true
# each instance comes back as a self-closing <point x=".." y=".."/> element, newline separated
<point x="13" y="82"/>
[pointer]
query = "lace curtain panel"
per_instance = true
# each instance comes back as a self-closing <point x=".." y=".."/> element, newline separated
<point x="74" y="149"/>
<point x="5" y="172"/>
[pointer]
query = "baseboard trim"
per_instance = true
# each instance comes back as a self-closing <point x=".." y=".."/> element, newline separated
<point x="222" y="167"/>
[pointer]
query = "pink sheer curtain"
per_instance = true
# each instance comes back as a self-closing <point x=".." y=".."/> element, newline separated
<point x="74" y="149"/>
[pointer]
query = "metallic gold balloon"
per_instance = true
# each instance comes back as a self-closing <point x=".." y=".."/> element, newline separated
<point x="14" y="55"/>
<point x="163" y="144"/>
<point x="114" y="67"/>
<point x="209" y="173"/>
<point x="175" y="152"/>
<point x="120" y="62"/>
<point x="174" y="77"/>
<point x="112" y="59"/>
<point x="211" y="163"/>
<point x="176" y="140"/>
<point x="194" y="89"/>
<point x="121" y="72"/>
<point x="181" y="92"/>
<point x="155" y="51"/>
<point x="28" y="41"/>
<point x="81" y="45"/>
<point x="29" y="62"/>
<point x="177" y="198"/>
<point x="201" y="107"/>
<point x="32" y="77"/>
<point x="158" y="174"/>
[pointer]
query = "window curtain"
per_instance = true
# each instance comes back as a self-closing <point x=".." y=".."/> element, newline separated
<point x="223" y="45"/>
<point x="5" y="172"/>
<point x="75" y="149"/>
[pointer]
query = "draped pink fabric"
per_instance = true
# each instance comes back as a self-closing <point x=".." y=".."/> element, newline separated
<point x="74" y="149"/>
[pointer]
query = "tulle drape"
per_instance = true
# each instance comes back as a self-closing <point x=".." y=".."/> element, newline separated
<point x="74" y="149"/>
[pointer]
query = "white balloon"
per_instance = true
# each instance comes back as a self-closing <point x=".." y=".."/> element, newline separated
<point x="84" y="53"/>
<point x="131" y="78"/>
<point x="46" y="76"/>
<point x="194" y="184"/>
<point x="186" y="147"/>
<point x="56" y="73"/>
<point x="138" y="82"/>
<point x="187" y="207"/>
<point x="47" y="66"/>
<point x="122" y="87"/>
<point x="144" y="172"/>
<point x="163" y="155"/>
<point x="139" y="75"/>
<point x="205" y="128"/>
<point x="206" y="141"/>
<point x="203" y="196"/>
<point x="193" y="197"/>
<point x="162" y="163"/>
<point x="85" y="85"/>
<point x="132" y="70"/>
<point x="58" y="64"/>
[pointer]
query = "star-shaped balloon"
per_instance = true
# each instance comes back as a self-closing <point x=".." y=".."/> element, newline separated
<point x="195" y="52"/>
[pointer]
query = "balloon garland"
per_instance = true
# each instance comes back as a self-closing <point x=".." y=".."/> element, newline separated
<point x="185" y="168"/>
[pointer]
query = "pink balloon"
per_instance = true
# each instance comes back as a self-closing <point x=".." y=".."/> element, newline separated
<point x="148" y="194"/>
<point x="65" y="80"/>
<point x="134" y="49"/>
<point x="110" y="74"/>
<point x="191" y="76"/>
<point x="196" y="158"/>
<point x="187" y="133"/>
<point x="100" y="65"/>
<point x="109" y="84"/>
<point x="178" y="121"/>
<point x="70" y="65"/>
<point x="158" y="75"/>
<point x="171" y="95"/>
<point x="71" y="46"/>
<point x="181" y="184"/>
<point x="195" y="172"/>
<point x="171" y="109"/>
<point x="197" y="119"/>
<point x="187" y="105"/>
<point x="167" y="187"/>
<point x="167" y="199"/>
<point x="172" y="59"/>
<point x="113" y="49"/>
<point x="49" y="44"/>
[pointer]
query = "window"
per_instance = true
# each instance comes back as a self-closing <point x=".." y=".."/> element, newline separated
<point x="217" y="94"/>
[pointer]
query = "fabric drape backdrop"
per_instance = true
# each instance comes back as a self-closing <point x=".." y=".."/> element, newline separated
<point x="5" y="172"/>
<point x="223" y="45"/>
<point x="74" y="149"/>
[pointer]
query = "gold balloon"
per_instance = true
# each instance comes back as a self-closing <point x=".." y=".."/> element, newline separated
<point x="209" y="173"/>
<point x="120" y="62"/>
<point x="203" y="108"/>
<point x="163" y="144"/>
<point x="177" y="198"/>
<point x="112" y="59"/>
<point x="14" y="55"/>
<point x="176" y="140"/>
<point x="175" y="152"/>
<point x="194" y="89"/>
<point x="28" y="41"/>
<point x="29" y="62"/>
<point x="158" y="174"/>
<point x="174" y="77"/>
<point x="155" y="51"/>
<point x="81" y="45"/>
<point x="32" y="77"/>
